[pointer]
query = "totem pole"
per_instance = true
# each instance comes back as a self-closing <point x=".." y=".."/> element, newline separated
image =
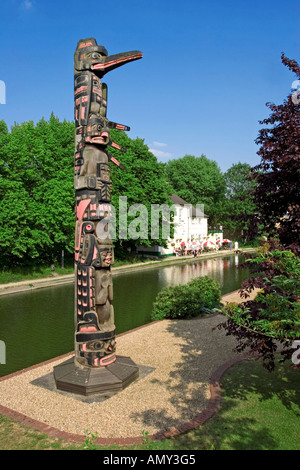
<point x="95" y="345"/>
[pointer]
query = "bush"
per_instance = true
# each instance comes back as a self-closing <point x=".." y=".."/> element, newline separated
<point x="208" y="289"/>
<point x="272" y="318"/>
<point x="275" y="311"/>
<point x="188" y="300"/>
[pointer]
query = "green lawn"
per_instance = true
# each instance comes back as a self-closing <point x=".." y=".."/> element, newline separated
<point x="20" y="273"/>
<point x="259" y="411"/>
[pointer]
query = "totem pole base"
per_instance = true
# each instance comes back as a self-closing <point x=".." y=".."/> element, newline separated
<point x="88" y="381"/>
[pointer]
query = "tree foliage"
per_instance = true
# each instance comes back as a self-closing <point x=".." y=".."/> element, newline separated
<point x="277" y="193"/>
<point x="142" y="182"/>
<point x="197" y="180"/>
<point x="274" y="315"/>
<point x="37" y="193"/>
<point x="272" y="318"/>
<point x="36" y="189"/>
<point x="238" y="206"/>
<point x="37" y="196"/>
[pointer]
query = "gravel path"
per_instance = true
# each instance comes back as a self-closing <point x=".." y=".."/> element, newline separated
<point x="176" y="360"/>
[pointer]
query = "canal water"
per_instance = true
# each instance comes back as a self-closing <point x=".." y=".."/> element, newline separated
<point x="38" y="325"/>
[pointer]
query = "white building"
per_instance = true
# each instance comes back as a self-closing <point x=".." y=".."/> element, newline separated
<point x="190" y="227"/>
<point x="189" y="223"/>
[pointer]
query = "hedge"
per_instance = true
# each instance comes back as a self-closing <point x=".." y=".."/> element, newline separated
<point x="188" y="300"/>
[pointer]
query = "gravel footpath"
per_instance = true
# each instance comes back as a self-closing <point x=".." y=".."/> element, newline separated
<point x="176" y="360"/>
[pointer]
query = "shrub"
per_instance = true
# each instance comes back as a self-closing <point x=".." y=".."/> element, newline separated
<point x="272" y="318"/>
<point x="208" y="289"/>
<point x="188" y="300"/>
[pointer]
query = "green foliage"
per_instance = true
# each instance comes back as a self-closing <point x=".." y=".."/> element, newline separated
<point x="273" y="317"/>
<point x="36" y="189"/>
<point x="142" y="182"/>
<point x="90" y="439"/>
<point x="197" y="180"/>
<point x="238" y="206"/>
<point x="188" y="300"/>
<point x="37" y="196"/>
<point x="227" y="198"/>
<point x="275" y="311"/>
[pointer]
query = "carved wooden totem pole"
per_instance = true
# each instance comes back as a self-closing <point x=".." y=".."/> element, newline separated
<point x="95" y="368"/>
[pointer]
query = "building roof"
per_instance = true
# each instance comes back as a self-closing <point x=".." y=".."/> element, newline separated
<point x="178" y="200"/>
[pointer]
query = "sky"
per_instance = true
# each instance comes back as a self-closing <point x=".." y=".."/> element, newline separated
<point x="207" y="72"/>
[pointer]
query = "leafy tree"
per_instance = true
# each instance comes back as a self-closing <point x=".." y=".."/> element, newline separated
<point x="197" y="180"/>
<point x="37" y="196"/>
<point x="277" y="194"/>
<point x="238" y="206"/>
<point x="142" y="182"/>
<point x="274" y="314"/>
<point x="36" y="189"/>
<point x="272" y="319"/>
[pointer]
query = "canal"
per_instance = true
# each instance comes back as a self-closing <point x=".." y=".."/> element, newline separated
<point x="38" y="325"/>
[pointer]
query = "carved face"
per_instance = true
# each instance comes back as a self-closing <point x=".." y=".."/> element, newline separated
<point x="89" y="56"/>
<point x="98" y="133"/>
<point x="93" y="55"/>
<point x="88" y="53"/>
<point x="106" y="257"/>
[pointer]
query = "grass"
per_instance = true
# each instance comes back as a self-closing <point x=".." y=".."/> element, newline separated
<point x="20" y="273"/>
<point x="260" y="410"/>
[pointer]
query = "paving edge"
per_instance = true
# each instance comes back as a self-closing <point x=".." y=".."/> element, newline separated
<point x="200" y="418"/>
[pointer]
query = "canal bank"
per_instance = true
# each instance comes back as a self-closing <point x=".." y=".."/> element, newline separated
<point x="30" y="285"/>
<point x="181" y="363"/>
<point x="29" y="317"/>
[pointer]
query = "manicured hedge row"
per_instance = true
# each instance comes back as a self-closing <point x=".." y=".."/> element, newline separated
<point x="188" y="300"/>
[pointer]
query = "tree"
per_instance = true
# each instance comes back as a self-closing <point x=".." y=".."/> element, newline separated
<point x="277" y="193"/>
<point x="197" y="180"/>
<point x="272" y="318"/>
<point x="37" y="197"/>
<point x="274" y="314"/>
<point x="142" y="182"/>
<point x="238" y="206"/>
<point x="36" y="189"/>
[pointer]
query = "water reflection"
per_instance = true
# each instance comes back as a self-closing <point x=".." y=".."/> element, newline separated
<point x="135" y="293"/>
<point x="220" y="269"/>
